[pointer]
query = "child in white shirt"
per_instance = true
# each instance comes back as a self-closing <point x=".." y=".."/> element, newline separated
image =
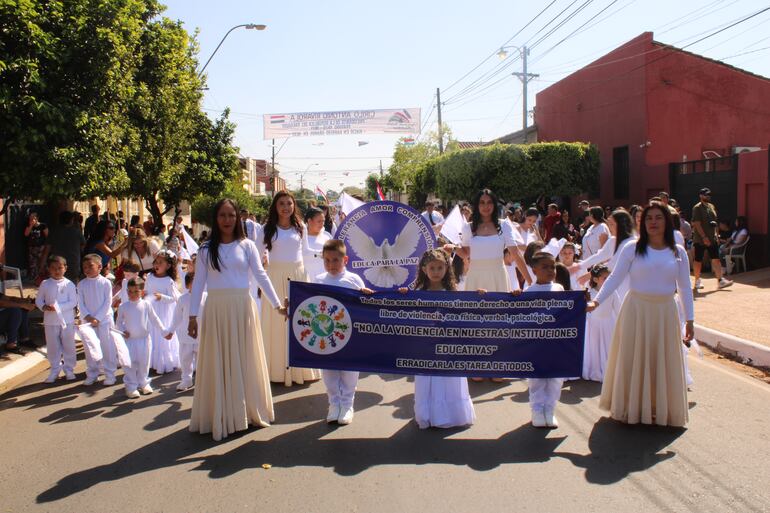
<point x="57" y="297"/>
<point x="136" y="317"/>
<point x="544" y="393"/>
<point x="188" y="346"/>
<point x="340" y="384"/>
<point x="131" y="270"/>
<point x="95" y="305"/>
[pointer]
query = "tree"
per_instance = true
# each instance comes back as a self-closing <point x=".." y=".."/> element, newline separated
<point x="371" y="187"/>
<point x="202" y="208"/>
<point x="165" y="111"/>
<point x="66" y="79"/>
<point x="352" y="190"/>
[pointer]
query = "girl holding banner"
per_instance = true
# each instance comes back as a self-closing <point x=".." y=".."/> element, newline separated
<point x="644" y="380"/>
<point x="285" y="240"/>
<point x="483" y="240"/>
<point x="232" y="389"/>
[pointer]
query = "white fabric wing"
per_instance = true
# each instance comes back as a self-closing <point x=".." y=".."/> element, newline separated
<point x="363" y="245"/>
<point x="90" y="341"/>
<point x="124" y="357"/>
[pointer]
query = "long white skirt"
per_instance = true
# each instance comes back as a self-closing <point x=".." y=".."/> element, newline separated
<point x="442" y="401"/>
<point x="232" y="389"/>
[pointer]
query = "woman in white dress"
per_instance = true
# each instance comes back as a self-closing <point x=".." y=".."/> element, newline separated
<point x="140" y="249"/>
<point x="232" y="389"/>
<point x="621" y="226"/>
<point x="285" y="239"/>
<point x="597" y="234"/>
<point x="644" y="380"/>
<point x="316" y="236"/>
<point x="483" y="241"/>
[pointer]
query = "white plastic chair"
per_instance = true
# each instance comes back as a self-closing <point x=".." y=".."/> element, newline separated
<point x="737" y="254"/>
<point x="5" y="282"/>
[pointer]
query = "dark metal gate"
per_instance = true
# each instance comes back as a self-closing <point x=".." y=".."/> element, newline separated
<point x="720" y="175"/>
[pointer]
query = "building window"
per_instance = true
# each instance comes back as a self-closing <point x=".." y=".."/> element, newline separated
<point x="620" y="174"/>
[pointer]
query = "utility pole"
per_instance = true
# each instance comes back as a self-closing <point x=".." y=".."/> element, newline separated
<point x="275" y="176"/>
<point x="381" y="172"/>
<point x="525" y="78"/>
<point x="440" y="128"/>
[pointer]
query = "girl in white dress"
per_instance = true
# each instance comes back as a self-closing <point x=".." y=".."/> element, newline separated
<point x="285" y="239"/>
<point x="161" y="290"/>
<point x="600" y="325"/>
<point x="597" y="234"/>
<point x="483" y="241"/>
<point x="232" y="389"/>
<point x="644" y="381"/>
<point x="439" y="401"/>
<point x="312" y="255"/>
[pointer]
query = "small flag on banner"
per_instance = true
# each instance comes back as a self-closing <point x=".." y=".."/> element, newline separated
<point x="407" y="141"/>
<point x="320" y="194"/>
<point x="380" y="194"/>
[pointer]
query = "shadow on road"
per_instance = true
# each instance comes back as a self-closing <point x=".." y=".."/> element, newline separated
<point x="615" y="450"/>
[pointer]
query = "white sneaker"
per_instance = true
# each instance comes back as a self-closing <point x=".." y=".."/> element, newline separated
<point x="51" y="378"/>
<point x="538" y="418"/>
<point x="183" y="386"/>
<point x="71" y="376"/>
<point x="109" y="381"/>
<point x="724" y="282"/>
<point x="346" y="416"/>
<point x="334" y="413"/>
<point x="698" y="284"/>
<point x="146" y="389"/>
<point x="132" y="394"/>
<point x="550" y="418"/>
<point x="90" y="381"/>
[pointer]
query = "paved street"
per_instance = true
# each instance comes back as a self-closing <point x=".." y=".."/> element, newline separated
<point x="71" y="448"/>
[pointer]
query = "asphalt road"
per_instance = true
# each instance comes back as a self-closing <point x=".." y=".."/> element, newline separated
<point x="71" y="448"/>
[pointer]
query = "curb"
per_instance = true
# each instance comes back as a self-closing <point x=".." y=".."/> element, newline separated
<point x="19" y="371"/>
<point x="750" y="352"/>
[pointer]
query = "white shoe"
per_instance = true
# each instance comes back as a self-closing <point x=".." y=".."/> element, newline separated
<point x="90" y="381"/>
<point x="71" y="376"/>
<point x="133" y="394"/>
<point x="334" y="413"/>
<point x="183" y="386"/>
<point x="698" y="284"/>
<point x="109" y="381"/>
<point x="346" y="416"/>
<point x="51" y="378"/>
<point x="550" y="418"/>
<point x="724" y="282"/>
<point x="538" y="418"/>
<point x="146" y="389"/>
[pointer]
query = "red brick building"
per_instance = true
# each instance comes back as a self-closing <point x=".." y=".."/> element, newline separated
<point x="648" y="107"/>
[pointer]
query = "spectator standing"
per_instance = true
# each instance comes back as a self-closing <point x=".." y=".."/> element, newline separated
<point x="36" y="234"/>
<point x="552" y="217"/>
<point x="704" y="237"/>
<point x="91" y="222"/>
<point x="434" y="218"/>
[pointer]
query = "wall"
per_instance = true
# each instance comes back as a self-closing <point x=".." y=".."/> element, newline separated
<point x="753" y="196"/>
<point x="604" y="104"/>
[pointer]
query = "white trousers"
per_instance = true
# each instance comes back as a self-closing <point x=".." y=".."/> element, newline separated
<point x="60" y="346"/>
<point x="544" y="392"/>
<point x="188" y="356"/>
<point x="109" y="363"/>
<point x="340" y="386"/>
<point x="137" y="375"/>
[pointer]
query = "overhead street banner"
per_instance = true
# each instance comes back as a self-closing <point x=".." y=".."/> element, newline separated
<point x="342" y="122"/>
<point x="534" y="335"/>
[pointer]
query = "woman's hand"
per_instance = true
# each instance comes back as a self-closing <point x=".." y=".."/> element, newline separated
<point x="192" y="327"/>
<point x="689" y="331"/>
<point x="516" y="292"/>
<point x="448" y="248"/>
<point x="367" y="291"/>
<point x="481" y="291"/>
<point x="591" y="306"/>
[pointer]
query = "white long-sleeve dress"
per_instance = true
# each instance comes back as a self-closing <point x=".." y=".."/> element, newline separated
<point x="232" y="389"/>
<point x="165" y="353"/>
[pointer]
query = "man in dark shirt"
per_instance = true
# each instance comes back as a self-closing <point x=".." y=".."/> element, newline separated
<point x="91" y="222"/>
<point x="704" y="238"/>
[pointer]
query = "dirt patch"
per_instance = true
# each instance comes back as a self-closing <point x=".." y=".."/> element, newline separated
<point x="735" y="363"/>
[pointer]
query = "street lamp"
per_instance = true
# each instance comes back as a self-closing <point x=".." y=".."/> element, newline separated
<point x="302" y="176"/>
<point x="523" y="76"/>
<point x="247" y="26"/>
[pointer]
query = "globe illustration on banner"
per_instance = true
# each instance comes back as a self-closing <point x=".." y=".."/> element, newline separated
<point x="321" y="325"/>
<point x="385" y="240"/>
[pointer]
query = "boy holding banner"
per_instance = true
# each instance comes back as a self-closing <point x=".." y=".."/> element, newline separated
<point x="340" y="384"/>
<point x="544" y="393"/>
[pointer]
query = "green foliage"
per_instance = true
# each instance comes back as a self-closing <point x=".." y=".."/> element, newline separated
<point x="514" y="171"/>
<point x="371" y="187"/>
<point x="423" y="183"/>
<point x="66" y="80"/>
<point x="203" y="206"/>
<point x="352" y="190"/>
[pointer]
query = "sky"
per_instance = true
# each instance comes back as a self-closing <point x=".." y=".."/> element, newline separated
<point x="347" y="55"/>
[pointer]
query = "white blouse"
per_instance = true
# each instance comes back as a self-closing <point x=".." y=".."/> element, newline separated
<point x="488" y="247"/>
<point x="591" y="243"/>
<point x="236" y="259"/>
<point x="312" y="254"/>
<point x="146" y="261"/>
<point x="658" y="273"/>
<point x="288" y="245"/>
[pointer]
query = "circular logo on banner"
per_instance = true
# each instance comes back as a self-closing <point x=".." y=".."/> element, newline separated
<point x="385" y="240"/>
<point x="321" y="325"/>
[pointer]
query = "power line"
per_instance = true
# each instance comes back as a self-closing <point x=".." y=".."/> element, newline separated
<point x="562" y="23"/>
<point x="551" y="21"/>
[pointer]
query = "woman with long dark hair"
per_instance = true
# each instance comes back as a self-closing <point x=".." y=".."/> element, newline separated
<point x="645" y="381"/>
<point x="621" y="227"/>
<point x="232" y="389"/>
<point x="597" y="233"/>
<point x="101" y="241"/>
<point x="285" y="240"/>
